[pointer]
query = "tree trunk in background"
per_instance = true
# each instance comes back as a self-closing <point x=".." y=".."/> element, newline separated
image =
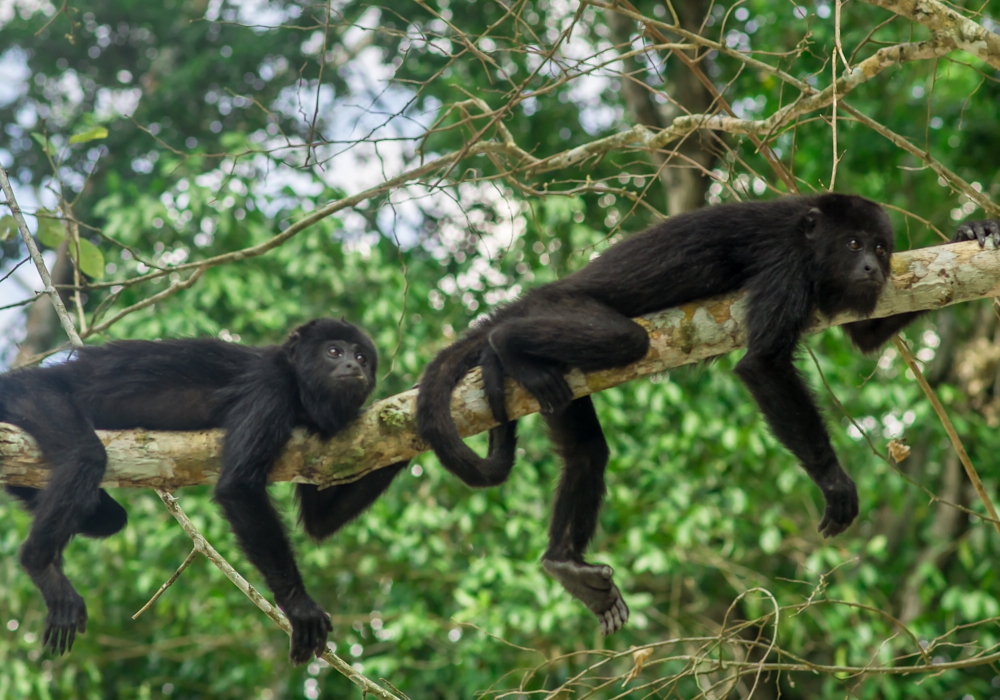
<point x="43" y="324"/>
<point x="685" y="184"/>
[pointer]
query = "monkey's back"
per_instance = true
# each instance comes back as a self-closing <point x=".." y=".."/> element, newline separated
<point x="691" y="256"/>
<point x="157" y="385"/>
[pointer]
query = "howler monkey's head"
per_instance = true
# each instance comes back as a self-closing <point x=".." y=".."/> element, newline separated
<point x="335" y="365"/>
<point x="853" y="241"/>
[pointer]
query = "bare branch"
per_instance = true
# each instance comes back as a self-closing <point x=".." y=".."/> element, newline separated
<point x="36" y="257"/>
<point x="202" y="545"/>
<point x="948" y="25"/>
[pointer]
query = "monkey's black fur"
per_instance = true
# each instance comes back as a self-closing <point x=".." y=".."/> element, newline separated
<point x="794" y="255"/>
<point x="318" y="378"/>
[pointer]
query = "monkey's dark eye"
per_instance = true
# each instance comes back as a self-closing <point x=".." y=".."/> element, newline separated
<point x="854" y="245"/>
<point x="880" y="251"/>
<point x="362" y="360"/>
<point x="334" y="351"/>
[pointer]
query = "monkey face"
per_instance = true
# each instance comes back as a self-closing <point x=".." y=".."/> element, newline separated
<point x="853" y="242"/>
<point x="345" y="361"/>
<point x="325" y="348"/>
<point x="335" y="365"/>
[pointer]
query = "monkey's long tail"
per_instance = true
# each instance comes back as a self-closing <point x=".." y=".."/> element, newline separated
<point x="436" y="425"/>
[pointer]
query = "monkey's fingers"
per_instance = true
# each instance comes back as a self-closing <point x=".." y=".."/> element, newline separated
<point x="300" y="650"/>
<point x="310" y="627"/>
<point x="838" y="518"/>
<point x="327" y="628"/>
<point x="981" y="231"/>
<point x="993" y="229"/>
<point x="842" y="506"/>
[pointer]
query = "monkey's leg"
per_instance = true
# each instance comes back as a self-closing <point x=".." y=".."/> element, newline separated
<point x="790" y="411"/>
<point x="107" y="519"/>
<point x="69" y="443"/>
<point x="324" y="512"/>
<point x="538" y="349"/>
<point x="257" y="431"/>
<point x="580" y="442"/>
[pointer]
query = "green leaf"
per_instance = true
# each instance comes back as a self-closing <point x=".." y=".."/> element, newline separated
<point x="91" y="258"/>
<point x="8" y="227"/>
<point x="43" y="142"/>
<point x="91" y="134"/>
<point x="50" y="229"/>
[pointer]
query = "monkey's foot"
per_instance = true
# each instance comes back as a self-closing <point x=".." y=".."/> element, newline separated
<point x="67" y="612"/>
<point x="310" y="627"/>
<point x="594" y="587"/>
<point x="841" y="504"/>
<point x="548" y="385"/>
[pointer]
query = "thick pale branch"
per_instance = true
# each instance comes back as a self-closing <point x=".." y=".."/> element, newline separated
<point x="948" y="25"/>
<point x="929" y="278"/>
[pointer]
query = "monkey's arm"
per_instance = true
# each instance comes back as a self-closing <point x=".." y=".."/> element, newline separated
<point x="324" y="512"/>
<point x="257" y="427"/>
<point x="789" y="409"/>
<point x="775" y="318"/>
<point x="873" y="333"/>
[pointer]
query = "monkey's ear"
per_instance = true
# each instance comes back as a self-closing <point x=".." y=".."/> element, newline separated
<point x="292" y="344"/>
<point x="810" y="220"/>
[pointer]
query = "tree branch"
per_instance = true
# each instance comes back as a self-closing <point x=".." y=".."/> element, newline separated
<point x="948" y="25"/>
<point x="36" y="257"/>
<point x="929" y="278"/>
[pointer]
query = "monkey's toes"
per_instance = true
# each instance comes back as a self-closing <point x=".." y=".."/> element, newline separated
<point x="614" y="618"/>
<point x="64" y="620"/>
<point x="593" y="586"/>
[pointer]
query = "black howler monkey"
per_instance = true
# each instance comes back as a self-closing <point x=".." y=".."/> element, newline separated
<point x="794" y="255"/>
<point x="318" y="378"/>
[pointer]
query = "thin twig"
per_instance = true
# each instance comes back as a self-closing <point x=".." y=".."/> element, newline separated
<point x="169" y="582"/>
<point x="36" y="257"/>
<point x="970" y="470"/>
<point x="202" y="545"/>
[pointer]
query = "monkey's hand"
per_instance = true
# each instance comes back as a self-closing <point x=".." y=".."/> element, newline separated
<point x="310" y="627"/>
<point x="841" y="503"/>
<point x="979" y="231"/>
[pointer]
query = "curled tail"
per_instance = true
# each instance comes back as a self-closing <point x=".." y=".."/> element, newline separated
<point x="437" y="427"/>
